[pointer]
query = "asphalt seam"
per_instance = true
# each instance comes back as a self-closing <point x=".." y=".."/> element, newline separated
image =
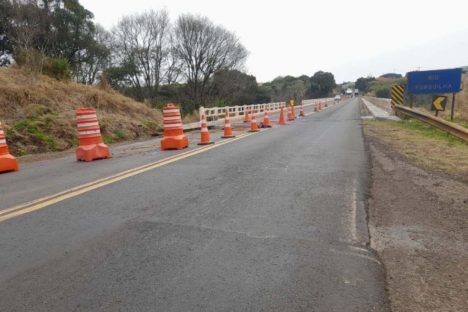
<point x="354" y="250"/>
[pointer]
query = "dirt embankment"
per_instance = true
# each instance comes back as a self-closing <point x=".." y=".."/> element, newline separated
<point x="418" y="220"/>
<point x="39" y="112"/>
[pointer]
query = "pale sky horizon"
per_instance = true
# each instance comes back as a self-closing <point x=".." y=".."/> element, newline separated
<point x="350" y="40"/>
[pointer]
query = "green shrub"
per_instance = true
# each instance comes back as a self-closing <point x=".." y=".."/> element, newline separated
<point x="120" y="134"/>
<point x="58" y="68"/>
<point x="383" y="92"/>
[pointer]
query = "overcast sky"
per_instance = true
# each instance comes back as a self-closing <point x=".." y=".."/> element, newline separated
<point x="349" y="38"/>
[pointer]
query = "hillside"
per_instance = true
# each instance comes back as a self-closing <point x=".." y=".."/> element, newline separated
<point x="38" y="112"/>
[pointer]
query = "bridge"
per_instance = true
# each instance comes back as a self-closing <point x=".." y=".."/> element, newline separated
<point x="267" y="221"/>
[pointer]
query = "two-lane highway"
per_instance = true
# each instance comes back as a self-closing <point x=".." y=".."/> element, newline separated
<point x="274" y="221"/>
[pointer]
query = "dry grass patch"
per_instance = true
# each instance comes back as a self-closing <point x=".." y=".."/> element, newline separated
<point x="39" y="112"/>
<point x="427" y="147"/>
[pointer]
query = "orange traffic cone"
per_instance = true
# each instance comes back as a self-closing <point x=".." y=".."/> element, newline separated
<point x="253" y="124"/>
<point x="89" y="134"/>
<point x="316" y="109"/>
<point x="293" y="111"/>
<point x="205" y="135"/>
<point x="266" y="120"/>
<point x="282" y="121"/>
<point x="301" y="113"/>
<point x="7" y="161"/>
<point x="174" y="137"/>
<point x="247" y="116"/>
<point x="227" y="128"/>
<point x="290" y="114"/>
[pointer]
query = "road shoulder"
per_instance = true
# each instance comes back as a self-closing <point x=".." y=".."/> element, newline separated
<point x="418" y="216"/>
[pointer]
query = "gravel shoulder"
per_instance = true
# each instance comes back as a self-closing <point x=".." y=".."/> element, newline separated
<point x="418" y="222"/>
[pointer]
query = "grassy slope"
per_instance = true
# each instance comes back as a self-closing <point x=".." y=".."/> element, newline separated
<point x="426" y="146"/>
<point x="39" y="112"/>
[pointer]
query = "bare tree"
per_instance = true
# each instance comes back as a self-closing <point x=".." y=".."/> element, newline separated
<point x="204" y="49"/>
<point x="95" y="58"/>
<point x="142" y="44"/>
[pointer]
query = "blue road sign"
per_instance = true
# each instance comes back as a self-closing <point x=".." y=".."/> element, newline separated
<point x="434" y="81"/>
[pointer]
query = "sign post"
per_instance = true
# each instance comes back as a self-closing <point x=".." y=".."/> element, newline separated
<point x="453" y="107"/>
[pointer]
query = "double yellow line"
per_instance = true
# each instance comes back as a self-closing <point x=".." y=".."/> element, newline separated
<point x="41" y="203"/>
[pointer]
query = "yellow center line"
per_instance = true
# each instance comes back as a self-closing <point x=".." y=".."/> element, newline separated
<point x="41" y="203"/>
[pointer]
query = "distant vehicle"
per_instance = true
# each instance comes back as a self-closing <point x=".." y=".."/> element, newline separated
<point x="356" y="92"/>
<point x="337" y="97"/>
<point x="349" y="91"/>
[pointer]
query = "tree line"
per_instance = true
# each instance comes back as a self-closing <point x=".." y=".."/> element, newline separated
<point x="146" y="56"/>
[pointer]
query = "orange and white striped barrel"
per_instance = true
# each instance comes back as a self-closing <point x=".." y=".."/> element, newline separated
<point x="89" y="134"/>
<point x="174" y="137"/>
<point x="3" y="142"/>
<point x="7" y="161"/>
<point x="89" y="131"/>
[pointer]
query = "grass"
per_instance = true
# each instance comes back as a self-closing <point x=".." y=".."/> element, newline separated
<point x="428" y="131"/>
<point x="426" y="146"/>
<point x="38" y="112"/>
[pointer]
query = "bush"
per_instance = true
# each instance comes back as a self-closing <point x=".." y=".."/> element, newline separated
<point x="30" y="59"/>
<point x="383" y="92"/>
<point x="58" y="68"/>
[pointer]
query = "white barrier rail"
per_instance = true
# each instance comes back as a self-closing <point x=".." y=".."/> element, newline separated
<point x="215" y="115"/>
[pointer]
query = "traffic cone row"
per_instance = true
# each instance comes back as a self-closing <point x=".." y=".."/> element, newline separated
<point x="92" y="147"/>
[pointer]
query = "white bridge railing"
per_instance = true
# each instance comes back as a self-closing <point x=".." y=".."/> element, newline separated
<point x="215" y="115"/>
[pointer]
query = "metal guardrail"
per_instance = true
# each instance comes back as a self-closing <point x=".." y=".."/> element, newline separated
<point x="454" y="129"/>
<point x="215" y="115"/>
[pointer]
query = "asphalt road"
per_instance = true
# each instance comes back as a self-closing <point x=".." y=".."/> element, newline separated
<point x="274" y="221"/>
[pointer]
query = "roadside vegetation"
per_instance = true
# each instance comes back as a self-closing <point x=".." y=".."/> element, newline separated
<point x="424" y="145"/>
<point x="39" y="112"/>
<point x="147" y="56"/>
<point x="379" y="87"/>
<point x="54" y="59"/>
